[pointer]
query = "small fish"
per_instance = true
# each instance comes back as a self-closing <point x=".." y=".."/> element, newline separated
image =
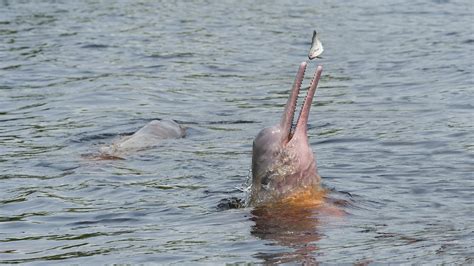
<point x="316" y="47"/>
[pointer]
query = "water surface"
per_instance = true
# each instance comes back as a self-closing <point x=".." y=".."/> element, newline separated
<point x="391" y="124"/>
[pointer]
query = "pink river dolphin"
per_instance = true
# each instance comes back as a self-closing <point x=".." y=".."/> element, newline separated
<point x="148" y="136"/>
<point x="283" y="163"/>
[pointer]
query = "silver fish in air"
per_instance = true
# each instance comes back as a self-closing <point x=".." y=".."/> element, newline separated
<point x="316" y="47"/>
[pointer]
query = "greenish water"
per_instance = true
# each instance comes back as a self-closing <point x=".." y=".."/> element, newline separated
<point x="392" y="124"/>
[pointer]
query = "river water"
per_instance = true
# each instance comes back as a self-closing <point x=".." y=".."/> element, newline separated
<point x="391" y="124"/>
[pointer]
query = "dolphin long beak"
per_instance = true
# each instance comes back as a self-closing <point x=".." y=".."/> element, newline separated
<point x="290" y="107"/>
<point x="288" y="114"/>
<point x="302" y="123"/>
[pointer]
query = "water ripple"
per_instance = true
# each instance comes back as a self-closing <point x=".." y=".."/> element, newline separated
<point x="391" y="125"/>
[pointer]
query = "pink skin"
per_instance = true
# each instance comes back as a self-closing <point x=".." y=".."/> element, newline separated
<point x="282" y="162"/>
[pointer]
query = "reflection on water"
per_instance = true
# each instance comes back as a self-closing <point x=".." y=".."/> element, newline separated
<point x="392" y="126"/>
<point x="296" y="228"/>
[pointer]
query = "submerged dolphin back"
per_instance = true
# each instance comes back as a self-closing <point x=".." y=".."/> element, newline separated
<point x="148" y="136"/>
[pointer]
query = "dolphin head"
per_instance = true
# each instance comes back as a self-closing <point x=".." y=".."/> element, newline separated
<point x="283" y="163"/>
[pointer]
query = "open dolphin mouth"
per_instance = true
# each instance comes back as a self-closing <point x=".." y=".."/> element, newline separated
<point x="289" y="128"/>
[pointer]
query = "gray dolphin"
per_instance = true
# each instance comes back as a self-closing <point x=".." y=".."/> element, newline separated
<point x="283" y="164"/>
<point x="148" y="136"/>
